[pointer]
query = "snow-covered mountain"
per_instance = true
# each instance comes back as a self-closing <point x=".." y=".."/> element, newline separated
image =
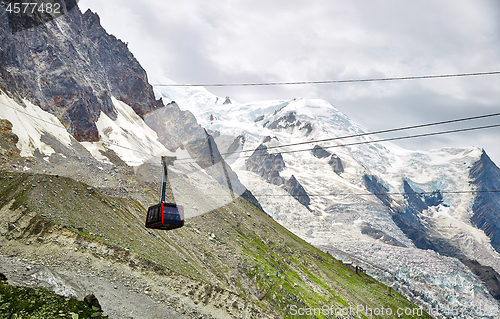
<point x="81" y="133"/>
<point x="408" y="217"/>
<point x="80" y="106"/>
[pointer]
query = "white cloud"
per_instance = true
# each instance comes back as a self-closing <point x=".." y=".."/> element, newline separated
<point x="224" y="41"/>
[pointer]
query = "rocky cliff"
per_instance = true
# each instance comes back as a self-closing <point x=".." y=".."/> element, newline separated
<point x="485" y="175"/>
<point x="423" y="231"/>
<point x="8" y="140"/>
<point x="70" y="67"/>
<point x="269" y="165"/>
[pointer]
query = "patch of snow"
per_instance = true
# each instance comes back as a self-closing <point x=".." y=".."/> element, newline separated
<point x="95" y="149"/>
<point x="128" y="136"/>
<point x="30" y="123"/>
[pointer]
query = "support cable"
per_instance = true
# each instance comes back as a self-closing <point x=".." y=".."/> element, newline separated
<point x="335" y="81"/>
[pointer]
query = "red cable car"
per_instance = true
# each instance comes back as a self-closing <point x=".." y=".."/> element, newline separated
<point x="165" y="215"/>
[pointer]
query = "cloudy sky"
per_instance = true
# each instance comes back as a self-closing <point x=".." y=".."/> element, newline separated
<point x="251" y="41"/>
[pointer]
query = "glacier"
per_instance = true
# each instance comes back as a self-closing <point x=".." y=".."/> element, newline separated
<point x="345" y="218"/>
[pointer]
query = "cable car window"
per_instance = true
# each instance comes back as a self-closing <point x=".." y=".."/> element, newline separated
<point x="170" y="210"/>
<point x="150" y="214"/>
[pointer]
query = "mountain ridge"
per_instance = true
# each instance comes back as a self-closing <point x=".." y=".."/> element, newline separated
<point x="74" y="198"/>
<point x="460" y="226"/>
<point x="74" y="80"/>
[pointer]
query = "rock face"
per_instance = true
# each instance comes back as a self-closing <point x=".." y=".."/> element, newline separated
<point x="374" y="185"/>
<point x="295" y="189"/>
<point x="320" y="152"/>
<point x="414" y="224"/>
<point x="8" y="140"/>
<point x="485" y="175"/>
<point x="71" y="67"/>
<point x="267" y="165"/>
<point x="410" y="219"/>
<point x="238" y="142"/>
<point x="334" y="161"/>
<point x="487" y="274"/>
<point x="227" y="101"/>
<point x="259" y="118"/>
<point x="380" y="235"/>
<point x="91" y="302"/>
<point x="174" y="126"/>
<point x="286" y="121"/>
<point x="289" y="120"/>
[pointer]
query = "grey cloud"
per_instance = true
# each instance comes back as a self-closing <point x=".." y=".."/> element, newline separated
<point x="225" y="41"/>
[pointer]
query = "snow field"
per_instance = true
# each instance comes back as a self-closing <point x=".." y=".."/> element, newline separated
<point x="30" y="123"/>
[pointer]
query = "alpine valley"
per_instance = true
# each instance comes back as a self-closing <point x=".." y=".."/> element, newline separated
<point x="283" y="213"/>
<point x="423" y="222"/>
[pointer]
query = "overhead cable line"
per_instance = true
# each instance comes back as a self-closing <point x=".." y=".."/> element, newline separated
<point x="373" y="133"/>
<point x="367" y="142"/>
<point x="35" y="117"/>
<point x="370" y="194"/>
<point x="350" y="136"/>
<point x="323" y="140"/>
<point x="343" y="145"/>
<point x="347" y="136"/>
<point x="336" y="81"/>
<point x="193" y="159"/>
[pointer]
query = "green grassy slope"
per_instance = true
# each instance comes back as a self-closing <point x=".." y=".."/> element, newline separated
<point x="235" y="247"/>
<point x="38" y="303"/>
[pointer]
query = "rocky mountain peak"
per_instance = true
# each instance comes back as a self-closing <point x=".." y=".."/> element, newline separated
<point x="485" y="176"/>
<point x="74" y="79"/>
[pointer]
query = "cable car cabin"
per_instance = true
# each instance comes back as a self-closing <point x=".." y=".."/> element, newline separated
<point x="165" y="216"/>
